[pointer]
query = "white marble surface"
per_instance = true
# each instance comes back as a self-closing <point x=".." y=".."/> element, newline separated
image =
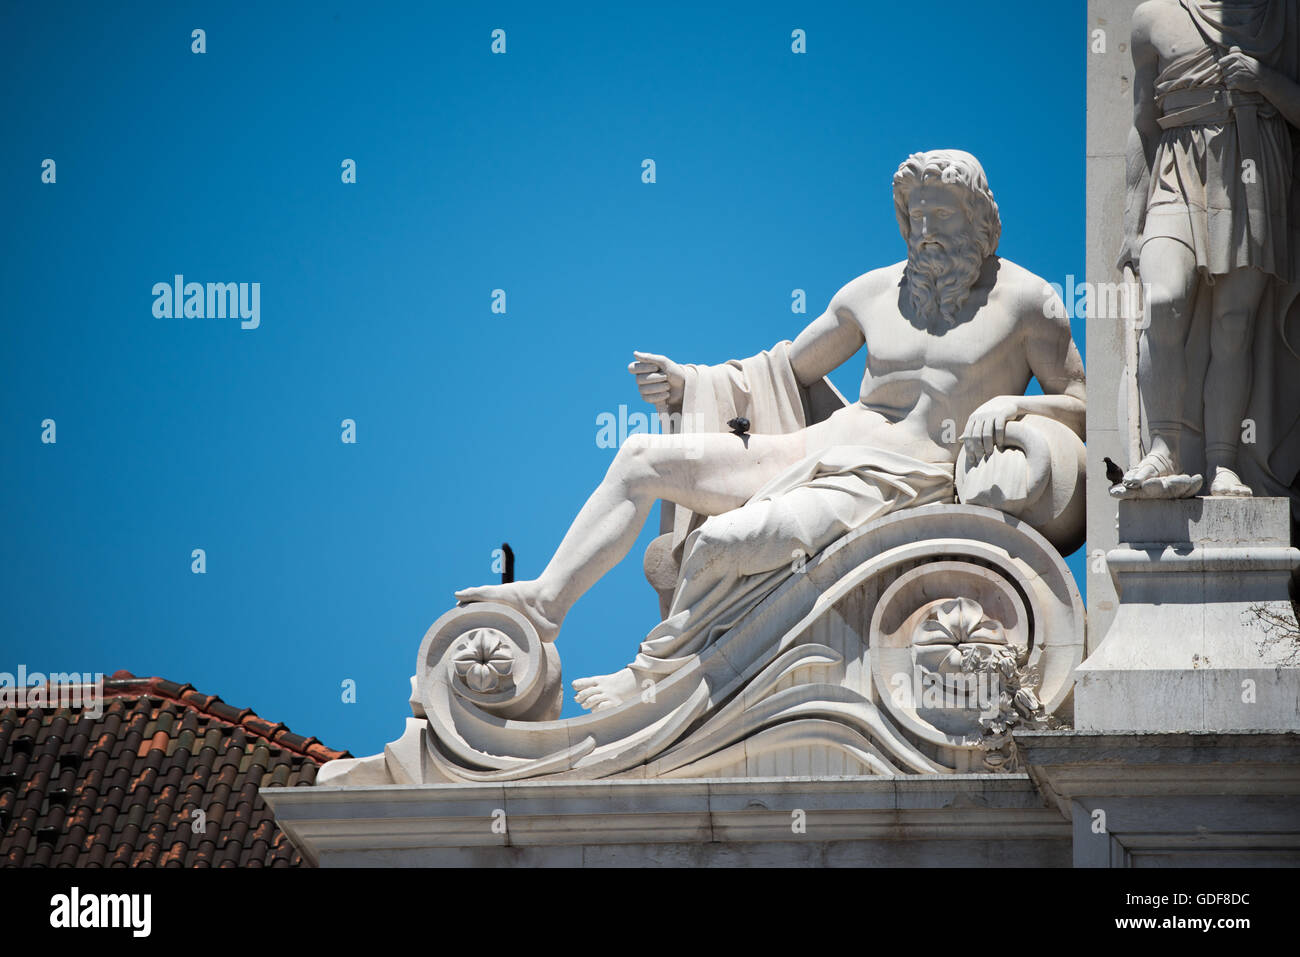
<point x="944" y="820"/>
<point x="1188" y="649"/>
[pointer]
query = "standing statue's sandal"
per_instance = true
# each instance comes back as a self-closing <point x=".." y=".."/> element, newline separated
<point x="1162" y="481"/>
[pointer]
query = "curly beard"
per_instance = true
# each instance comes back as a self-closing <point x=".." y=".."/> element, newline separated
<point x="940" y="280"/>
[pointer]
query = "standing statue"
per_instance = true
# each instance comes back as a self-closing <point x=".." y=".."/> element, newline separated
<point x="1211" y="227"/>
<point x="954" y="335"/>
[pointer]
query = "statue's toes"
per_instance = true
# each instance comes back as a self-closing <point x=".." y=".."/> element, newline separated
<point x="1134" y="477"/>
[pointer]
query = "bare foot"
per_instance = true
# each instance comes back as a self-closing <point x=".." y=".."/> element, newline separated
<point x="1228" y="484"/>
<point x="606" y="691"/>
<point x="525" y="597"/>
<point x="1156" y="464"/>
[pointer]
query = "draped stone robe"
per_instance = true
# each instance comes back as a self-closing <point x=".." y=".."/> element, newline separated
<point x="730" y="562"/>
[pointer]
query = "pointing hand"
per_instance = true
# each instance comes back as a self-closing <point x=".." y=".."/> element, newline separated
<point x="660" y="380"/>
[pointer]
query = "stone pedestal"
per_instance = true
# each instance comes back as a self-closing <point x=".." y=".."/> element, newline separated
<point x="1204" y="637"/>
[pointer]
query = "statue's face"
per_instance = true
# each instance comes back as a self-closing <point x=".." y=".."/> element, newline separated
<point x="943" y="249"/>
<point x="939" y="222"/>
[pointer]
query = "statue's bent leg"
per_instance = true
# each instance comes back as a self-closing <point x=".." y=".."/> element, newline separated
<point x="709" y="473"/>
<point x="735" y="559"/>
<point x="1228" y="378"/>
<point x="756" y="539"/>
<point x="1169" y="280"/>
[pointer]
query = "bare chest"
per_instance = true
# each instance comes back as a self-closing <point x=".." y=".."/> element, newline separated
<point x="898" y="345"/>
<point x="1174" y="35"/>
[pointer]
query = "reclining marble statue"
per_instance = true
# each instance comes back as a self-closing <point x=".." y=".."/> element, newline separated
<point x="953" y="335"/>
<point x="1211" y="222"/>
<point x="930" y="515"/>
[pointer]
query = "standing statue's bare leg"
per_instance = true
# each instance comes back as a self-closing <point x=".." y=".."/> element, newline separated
<point x="1168" y="270"/>
<point x="709" y="473"/>
<point x="1228" y="379"/>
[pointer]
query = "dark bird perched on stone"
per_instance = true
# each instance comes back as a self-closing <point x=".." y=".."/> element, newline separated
<point x="1114" y="474"/>
<point x="739" y="425"/>
<point x="508" y="575"/>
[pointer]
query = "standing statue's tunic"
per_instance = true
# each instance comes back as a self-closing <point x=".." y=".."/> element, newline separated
<point x="1222" y="172"/>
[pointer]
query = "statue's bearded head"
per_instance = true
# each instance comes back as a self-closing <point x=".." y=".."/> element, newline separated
<point x="948" y="217"/>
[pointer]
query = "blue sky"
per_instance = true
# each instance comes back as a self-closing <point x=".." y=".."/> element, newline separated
<point x="327" y="561"/>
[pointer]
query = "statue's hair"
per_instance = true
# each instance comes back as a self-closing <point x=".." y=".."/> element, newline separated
<point x="951" y="166"/>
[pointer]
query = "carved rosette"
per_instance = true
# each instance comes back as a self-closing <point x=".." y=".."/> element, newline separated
<point x="484" y="660"/>
<point x="961" y="671"/>
<point x="488" y="656"/>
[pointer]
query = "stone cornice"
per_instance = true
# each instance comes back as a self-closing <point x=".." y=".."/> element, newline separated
<point x="975" y="807"/>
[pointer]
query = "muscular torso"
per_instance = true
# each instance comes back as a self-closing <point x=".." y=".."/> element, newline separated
<point x="1172" y="33"/>
<point x="922" y="384"/>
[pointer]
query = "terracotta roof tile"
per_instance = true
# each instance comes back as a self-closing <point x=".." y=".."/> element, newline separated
<point x="121" y="790"/>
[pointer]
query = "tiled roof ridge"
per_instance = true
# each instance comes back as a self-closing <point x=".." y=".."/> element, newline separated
<point x="125" y="683"/>
<point x="159" y="775"/>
